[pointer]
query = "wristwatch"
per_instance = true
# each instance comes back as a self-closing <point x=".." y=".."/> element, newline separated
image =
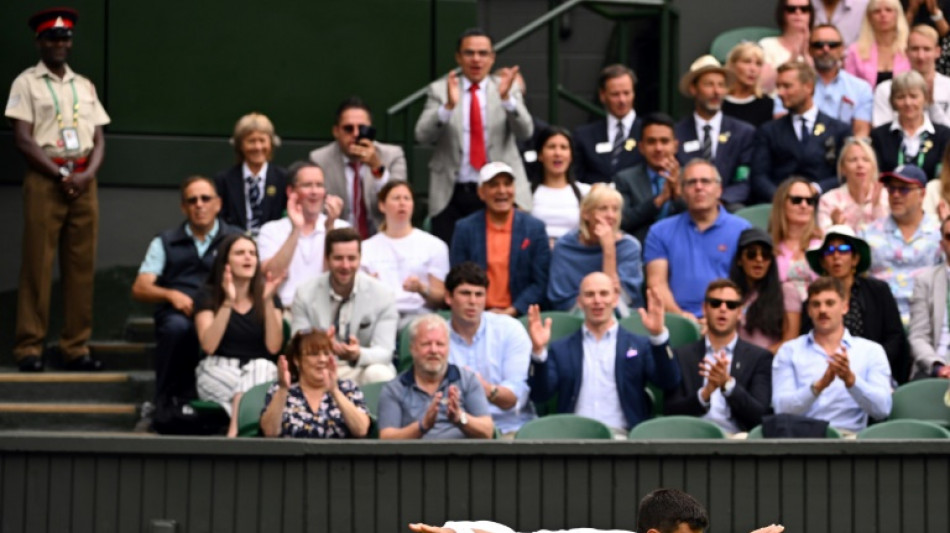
<point x="493" y="393"/>
<point x="463" y="419"/>
<point x="728" y="386"/>
<point x="64" y="172"/>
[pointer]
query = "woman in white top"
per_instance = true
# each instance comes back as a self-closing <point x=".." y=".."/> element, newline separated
<point x="794" y="18"/>
<point x="414" y="263"/>
<point x="557" y="197"/>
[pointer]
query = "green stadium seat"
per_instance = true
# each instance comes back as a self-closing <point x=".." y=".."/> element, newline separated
<point x="676" y="427"/>
<point x="249" y="410"/>
<point x="563" y="427"/>
<point x="922" y="400"/>
<point x="756" y="433"/>
<point x="757" y="215"/>
<point x="727" y="40"/>
<point x="904" y="429"/>
<point x="682" y="330"/>
<point x="371" y="393"/>
<point x="562" y="323"/>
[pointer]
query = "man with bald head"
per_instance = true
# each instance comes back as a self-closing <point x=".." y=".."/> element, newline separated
<point x="601" y="370"/>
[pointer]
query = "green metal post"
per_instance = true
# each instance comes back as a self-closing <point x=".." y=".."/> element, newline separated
<point x="554" y="28"/>
<point x="665" y="86"/>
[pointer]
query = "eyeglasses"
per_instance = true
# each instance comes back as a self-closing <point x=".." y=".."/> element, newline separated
<point x="473" y="53"/>
<point x="818" y="45"/>
<point x="204" y="198"/>
<point x="754" y="252"/>
<point x="902" y="190"/>
<point x="841" y="249"/>
<point x="716" y="303"/>
<point x="798" y="9"/>
<point x="797" y="200"/>
<point x="705" y="182"/>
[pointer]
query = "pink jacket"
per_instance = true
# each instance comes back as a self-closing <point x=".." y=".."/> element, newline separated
<point x="867" y="69"/>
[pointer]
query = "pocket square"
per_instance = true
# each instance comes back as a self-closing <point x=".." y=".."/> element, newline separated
<point x="525" y="243"/>
<point x="631" y="353"/>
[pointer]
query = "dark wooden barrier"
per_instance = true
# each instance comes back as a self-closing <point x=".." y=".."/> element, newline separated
<point x="63" y="483"/>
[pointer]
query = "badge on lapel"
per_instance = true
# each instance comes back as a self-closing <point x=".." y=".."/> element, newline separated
<point x="271" y="190"/>
<point x="928" y="144"/>
<point x="724" y="137"/>
<point x="630" y="144"/>
<point x="819" y="129"/>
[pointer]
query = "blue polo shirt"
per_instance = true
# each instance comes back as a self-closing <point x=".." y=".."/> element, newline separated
<point x="695" y="258"/>
<point x="846" y="98"/>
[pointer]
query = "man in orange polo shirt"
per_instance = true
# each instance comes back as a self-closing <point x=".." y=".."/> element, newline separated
<point x="511" y="245"/>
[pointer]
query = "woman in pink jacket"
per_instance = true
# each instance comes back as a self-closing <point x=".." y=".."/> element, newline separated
<point x="878" y="54"/>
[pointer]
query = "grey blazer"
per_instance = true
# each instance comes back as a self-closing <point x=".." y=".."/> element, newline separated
<point x="504" y="130"/>
<point x="928" y="307"/>
<point x="330" y="159"/>
<point x="372" y="321"/>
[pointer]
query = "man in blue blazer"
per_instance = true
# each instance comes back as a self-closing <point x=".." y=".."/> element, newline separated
<point x="602" y="370"/>
<point x="805" y="142"/>
<point x="606" y="146"/>
<point x="707" y="133"/>
<point x="511" y="245"/>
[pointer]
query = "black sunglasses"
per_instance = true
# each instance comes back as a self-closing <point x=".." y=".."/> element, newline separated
<point x="797" y="200"/>
<point x="350" y="128"/>
<point x="800" y="9"/>
<point x="716" y="303"/>
<point x="841" y="248"/>
<point x="754" y="252"/>
<point x="818" y="45"/>
<point x="193" y="200"/>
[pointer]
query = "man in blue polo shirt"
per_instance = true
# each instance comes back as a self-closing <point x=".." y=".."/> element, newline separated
<point x="685" y="252"/>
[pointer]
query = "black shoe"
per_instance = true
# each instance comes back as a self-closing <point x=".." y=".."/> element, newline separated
<point x="84" y="363"/>
<point x="31" y="363"/>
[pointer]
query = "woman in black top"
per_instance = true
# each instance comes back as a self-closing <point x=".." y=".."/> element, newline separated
<point x="745" y="100"/>
<point x="239" y="326"/>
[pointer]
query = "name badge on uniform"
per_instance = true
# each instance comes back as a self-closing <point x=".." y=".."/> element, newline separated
<point x="604" y="147"/>
<point x="691" y="146"/>
<point x="70" y="139"/>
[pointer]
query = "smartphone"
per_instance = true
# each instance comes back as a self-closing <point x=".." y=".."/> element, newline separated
<point x="366" y="132"/>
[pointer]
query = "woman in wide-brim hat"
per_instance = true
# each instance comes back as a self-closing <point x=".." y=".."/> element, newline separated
<point x="872" y="310"/>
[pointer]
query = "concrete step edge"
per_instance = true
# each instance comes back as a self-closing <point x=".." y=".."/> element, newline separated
<point x="69" y="408"/>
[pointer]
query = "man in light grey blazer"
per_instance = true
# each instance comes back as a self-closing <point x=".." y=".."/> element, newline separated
<point x="357" y="310"/>
<point x="375" y="162"/>
<point x="929" y="335"/>
<point x="446" y="123"/>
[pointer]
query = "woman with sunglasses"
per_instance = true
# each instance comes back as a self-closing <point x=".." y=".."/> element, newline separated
<point x="794" y="228"/>
<point x="771" y="310"/>
<point x="557" y="196"/>
<point x="879" y="52"/>
<point x="794" y="18"/>
<point x="319" y="405"/>
<point x="239" y="325"/>
<point x="860" y="199"/>
<point x="872" y="310"/>
<point x="745" y="100"/>
<point x="911" y="138"/>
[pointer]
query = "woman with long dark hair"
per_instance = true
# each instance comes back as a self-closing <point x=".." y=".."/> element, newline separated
<point x="557" y="197"/>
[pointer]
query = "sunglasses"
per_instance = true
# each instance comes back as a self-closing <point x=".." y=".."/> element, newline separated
<point x="841" y="249"/>
<point x="797" y="200"/>
<point x="798" y="9"/>
<point x="204" y="198"/>
<point x="350" y="128"/>
<point x="756" y="252"/>
<point x="716" y="303"/>
<point x="818" y="45"/>
<point x="902" y="190"/>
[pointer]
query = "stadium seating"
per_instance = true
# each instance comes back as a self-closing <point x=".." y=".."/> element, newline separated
<point x="676" y="427"/>
<point x="725" y="41"/>
<point x="249" y="410"/>
<point x="682" y="330"/>
<point x="756" y="433"/>
<point x="560" y="427"/>
<point x="757" y="215"/>
<point x="922" y="400"/>
<point x="904" y="429"/>
<point x="371" y="396"/>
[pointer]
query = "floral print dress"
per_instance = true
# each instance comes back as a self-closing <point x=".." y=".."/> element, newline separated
<point x="300" y="422"/>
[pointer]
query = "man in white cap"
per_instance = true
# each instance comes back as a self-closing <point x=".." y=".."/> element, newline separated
<point x="707" y="133"/>
<point x="511" y="245"/>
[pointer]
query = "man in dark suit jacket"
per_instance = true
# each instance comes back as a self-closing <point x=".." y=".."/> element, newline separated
<point x="781" y="150"/>
<point x="725" y="379"/>
<point x="707" y="133"/>
<point x="520" y="277"/>
<point x="602" y="370"/>
<point x="604" y="147"/>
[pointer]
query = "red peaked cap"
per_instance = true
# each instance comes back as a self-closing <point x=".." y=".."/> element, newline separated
<point x="55" y="22"/>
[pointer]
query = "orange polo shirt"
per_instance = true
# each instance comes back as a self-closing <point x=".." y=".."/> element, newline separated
<point x="498" y="256"/>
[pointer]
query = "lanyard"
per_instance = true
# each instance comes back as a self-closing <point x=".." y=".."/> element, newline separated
<point x="920" y="152"/>
<point x="59" y="114"/>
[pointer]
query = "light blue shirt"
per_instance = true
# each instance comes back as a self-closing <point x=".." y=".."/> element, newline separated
<point x="501" y="352"/>
<point x="801" y="362"/>
<point x="846" y="98"/>
<point x="719" y="412"/>
<point x="597" y="397"/>
<point x="154" y="262"/>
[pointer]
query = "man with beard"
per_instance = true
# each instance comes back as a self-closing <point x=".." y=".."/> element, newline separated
<point x="707" y="133"/>
<point x="726" y="380"/>
<point x="838" y="93"/>
<point x="828" y="373"/>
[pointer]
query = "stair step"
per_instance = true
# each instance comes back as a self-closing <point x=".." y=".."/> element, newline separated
<point x="81" y="387"/>
<point x="69" y="408"/>
<point x="140" y="329"/>
<point x="64" y="377"/>
<point x="68" y="416"/>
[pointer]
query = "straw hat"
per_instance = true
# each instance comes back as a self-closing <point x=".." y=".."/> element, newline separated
<point x="704" y="64"/>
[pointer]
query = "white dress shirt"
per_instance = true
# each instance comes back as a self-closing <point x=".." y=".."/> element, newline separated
<point x="911" y="143"/>
<point x="719" y="412"/>
<point x="246" y="173"/>
<point x="366" y="175"/>
<point x="810" y="117"/>
<point x="716" y="123"/>
<point x="627" y="122"/>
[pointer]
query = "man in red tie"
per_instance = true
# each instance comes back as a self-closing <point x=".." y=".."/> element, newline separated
<point x="472" y="119"/>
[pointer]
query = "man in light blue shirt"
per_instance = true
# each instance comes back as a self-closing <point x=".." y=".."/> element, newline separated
<point x="494" y="346"/>
<point x="829" y="374"/>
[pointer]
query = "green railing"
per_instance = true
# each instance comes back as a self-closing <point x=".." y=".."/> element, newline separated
<point x="614" y="10"/>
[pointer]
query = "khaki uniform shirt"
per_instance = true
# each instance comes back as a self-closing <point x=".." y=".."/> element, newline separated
<point x="31" y="101"/>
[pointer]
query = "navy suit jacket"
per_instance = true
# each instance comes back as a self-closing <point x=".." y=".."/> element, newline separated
<point x="637" y="362"/>
<point x="887" y="146"/>
<point x="734" y="152"/>
<point x="779" y="154"/>
<point x="230" y="186"/>
<point x="750" y="399"/>
<point x="591" y="167"/>
<point x="528" y="263"/>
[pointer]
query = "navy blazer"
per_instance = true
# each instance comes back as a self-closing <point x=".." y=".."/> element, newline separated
<point x="637" y="362"/>
<point x="528" y="263"/>
<point x="736" y="140"/>
<point x="591" y="167"/>
<point x="779" y="154"/>
<point x="750" y="399"/>
<point x="887" y="146"/>
<point x="230" y="186"/>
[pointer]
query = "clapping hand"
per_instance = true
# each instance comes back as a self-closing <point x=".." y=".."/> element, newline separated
<point x="283" y="372"/>
<point x="452" y="91"/>
<point x="295" y="210"/>
<point x="227" y="283"/>
<point x="653" y="316"/>
<point x="271" y="283"/>
<point x="506" y="78"/>
<point x="330" y="375"/>
<point x="538" y="330"/>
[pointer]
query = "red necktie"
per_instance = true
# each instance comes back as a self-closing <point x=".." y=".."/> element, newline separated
<point x="476" y="146"/>
<point x="359" y="212"/>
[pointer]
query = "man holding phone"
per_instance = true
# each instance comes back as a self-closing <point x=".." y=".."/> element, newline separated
<point x="356" y="153"/>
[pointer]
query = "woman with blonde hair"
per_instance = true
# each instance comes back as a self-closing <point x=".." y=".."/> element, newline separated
<point x="937" y="194"/>
<point x="597" y="245"/>
<point x="879" y="53"/>
<point x="745" y="100"/>
<point x="794" y="229"/>
<point x="253" y="191"/>
<point x="861" y="198"/>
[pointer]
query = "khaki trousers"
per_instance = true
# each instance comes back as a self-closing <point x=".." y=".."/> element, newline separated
<point x="52" y="223"/>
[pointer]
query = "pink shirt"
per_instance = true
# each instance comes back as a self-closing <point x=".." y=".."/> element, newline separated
<point x="856" y="215"/>
<point x="796" y="272"/>
<point x="866" y="69"/>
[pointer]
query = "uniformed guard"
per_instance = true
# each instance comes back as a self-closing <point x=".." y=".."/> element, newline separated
<point x="57" y="124"/>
